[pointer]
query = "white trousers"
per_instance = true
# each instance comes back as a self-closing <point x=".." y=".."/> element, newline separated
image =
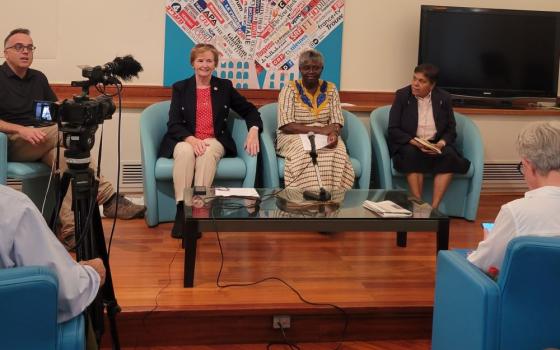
<point x="188" y="167"/>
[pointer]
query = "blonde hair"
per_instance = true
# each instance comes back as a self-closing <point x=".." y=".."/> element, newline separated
<point x="199" y="49"/>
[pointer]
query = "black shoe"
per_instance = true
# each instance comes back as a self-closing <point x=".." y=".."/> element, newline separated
<point x="178" y="226"/>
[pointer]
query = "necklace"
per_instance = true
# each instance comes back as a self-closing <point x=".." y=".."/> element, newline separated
<point x="320" y="96"/>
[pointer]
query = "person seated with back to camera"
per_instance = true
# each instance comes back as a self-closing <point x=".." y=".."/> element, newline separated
<point x="26" y="240"/>
<point x="20" y="85"/>
<point x="537" y="213"/>
<point x="197" y="131"/>
<point x="312" y="105"/>
<point x="423" y="110"/>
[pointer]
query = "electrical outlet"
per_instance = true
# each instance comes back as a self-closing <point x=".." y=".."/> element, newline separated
<point x="281" y="320"/>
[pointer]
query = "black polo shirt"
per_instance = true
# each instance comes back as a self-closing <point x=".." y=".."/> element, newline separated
<point x="17" y="95"/>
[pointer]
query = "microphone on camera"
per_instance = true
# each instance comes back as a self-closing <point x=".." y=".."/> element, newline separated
<point x="124" y="67"/>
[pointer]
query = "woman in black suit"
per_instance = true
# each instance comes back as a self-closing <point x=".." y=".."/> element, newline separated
<point x="424" y="111"/>
<point x="197" y="135"/>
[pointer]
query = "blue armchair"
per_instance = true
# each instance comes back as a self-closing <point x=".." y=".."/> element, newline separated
<point x="33" y="175"/>
<point x="357" y="146"/>
<point x="463" y="194"/>
<point x="520" y="311"/>
<point x="159" y="195"/>
<point x="28" y="300"/>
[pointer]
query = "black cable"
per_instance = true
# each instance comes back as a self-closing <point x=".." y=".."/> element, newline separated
<point x="119" y="89"/>
<point x="273" y="278"/>
<point x="156" y="302"/>
<point x="264" y="198"/>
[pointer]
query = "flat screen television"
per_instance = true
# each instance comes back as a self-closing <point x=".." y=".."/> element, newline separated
<point x="491" y="52"/>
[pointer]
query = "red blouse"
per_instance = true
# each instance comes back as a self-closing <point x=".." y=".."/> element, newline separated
<point x="204" y="121"/>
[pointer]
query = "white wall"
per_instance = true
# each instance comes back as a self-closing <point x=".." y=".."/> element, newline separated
<point x="380" y="38"/>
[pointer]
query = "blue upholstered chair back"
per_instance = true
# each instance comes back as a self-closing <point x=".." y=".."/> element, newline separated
<point x="34" y="176"/>
<point x="463" y="194"/>
<point x="159" y="195"/>
<point x="530" y="294"/>
<point x="28" y="317"/>
<point x="354" y="135"/>
<point x="520" y="311"/>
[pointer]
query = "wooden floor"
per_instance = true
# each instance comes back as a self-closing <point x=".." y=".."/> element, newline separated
<point x="364" y="273"/>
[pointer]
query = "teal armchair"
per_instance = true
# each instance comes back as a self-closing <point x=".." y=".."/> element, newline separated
<point x="29" y="302"/>
<point x="159" y="196"/>
<point x="520" y="311"/>
<point x="463" y="194"/>
<point x="33" y="175"/>
<point x="354" y="135"/>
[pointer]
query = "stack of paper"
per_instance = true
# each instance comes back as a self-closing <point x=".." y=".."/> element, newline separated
<point x="387" y="209"/>
<point x="236" y="192"/>
<point x="320" y="141"/>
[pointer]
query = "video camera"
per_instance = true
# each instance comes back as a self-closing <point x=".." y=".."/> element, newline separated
<point x="85" y="111"/>
<point x="78" y="118"/>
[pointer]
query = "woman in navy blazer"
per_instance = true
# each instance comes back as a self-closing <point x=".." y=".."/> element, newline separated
<point x="422" y="110"/>
<point x="197" y="134"/>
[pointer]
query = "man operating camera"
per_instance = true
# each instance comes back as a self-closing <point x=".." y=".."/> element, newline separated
<point x="19" y="87"/>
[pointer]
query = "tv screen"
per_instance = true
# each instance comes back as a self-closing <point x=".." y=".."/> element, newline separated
<point x="490" y="52"/>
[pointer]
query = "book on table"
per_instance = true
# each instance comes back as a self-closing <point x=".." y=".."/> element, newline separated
<point x="387" y="209"/>
<point x="428" y="144"/>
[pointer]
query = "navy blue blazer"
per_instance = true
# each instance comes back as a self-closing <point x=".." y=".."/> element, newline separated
<point x="182" y="114"/>
<point x="403" y="118"/>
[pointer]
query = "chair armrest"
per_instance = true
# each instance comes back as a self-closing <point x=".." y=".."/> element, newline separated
<point x="473" y="150"/>
<point x="239" y="134"/>
<point x="271" y="178"/>
<point x="3" y="158"/>
<point x="381" y="156"/>
<point x="148" y="151"/>
<point x="269" y="162"/>
<point x="466" y="303"/>
<point x="358" y="146"/>
<point x="71" y="334"/>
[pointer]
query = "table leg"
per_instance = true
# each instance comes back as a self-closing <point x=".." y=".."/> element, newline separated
<point x="401" y="239"/>
<point x="443" y="235"/>
<point x="190" y="242"/>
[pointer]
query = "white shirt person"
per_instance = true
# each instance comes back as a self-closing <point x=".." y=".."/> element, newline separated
<point x="26" y="240"/>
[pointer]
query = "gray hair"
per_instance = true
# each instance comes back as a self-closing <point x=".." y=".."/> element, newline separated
<point x="16" y="31"/>
<point x="540" y="144"/>
<point x="311" y="55"/>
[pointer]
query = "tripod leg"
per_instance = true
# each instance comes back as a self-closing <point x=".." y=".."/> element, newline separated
<point x="108" y="291"/>
<point x="91" y="244"/>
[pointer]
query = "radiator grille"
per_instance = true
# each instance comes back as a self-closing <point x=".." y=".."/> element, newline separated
<point x="131" y="176"/>
<point x="499" y="177"/>
<point x="15" y="184"/>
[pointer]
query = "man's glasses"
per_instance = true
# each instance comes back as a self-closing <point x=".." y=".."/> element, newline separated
<point x="521" y="168"/>
<point x="21" y="47"/>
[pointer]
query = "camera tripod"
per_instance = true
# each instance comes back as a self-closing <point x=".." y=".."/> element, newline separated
<point x="90" y="242"/>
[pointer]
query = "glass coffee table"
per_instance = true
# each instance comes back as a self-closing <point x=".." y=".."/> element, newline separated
<point x="286" y="210"/>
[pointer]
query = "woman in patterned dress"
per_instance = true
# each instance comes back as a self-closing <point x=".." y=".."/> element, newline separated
<point x="312" y="105"/>
<point x="197" y="135"/>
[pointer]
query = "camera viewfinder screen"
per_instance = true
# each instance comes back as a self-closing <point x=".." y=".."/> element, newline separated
<point x="42" y="111"/>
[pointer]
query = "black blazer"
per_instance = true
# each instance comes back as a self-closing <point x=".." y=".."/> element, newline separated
<point x="182" y="114"/>
<point x="403" y="118"/>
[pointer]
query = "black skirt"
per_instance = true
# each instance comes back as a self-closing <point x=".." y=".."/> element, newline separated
<point x="409" y="159"/>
